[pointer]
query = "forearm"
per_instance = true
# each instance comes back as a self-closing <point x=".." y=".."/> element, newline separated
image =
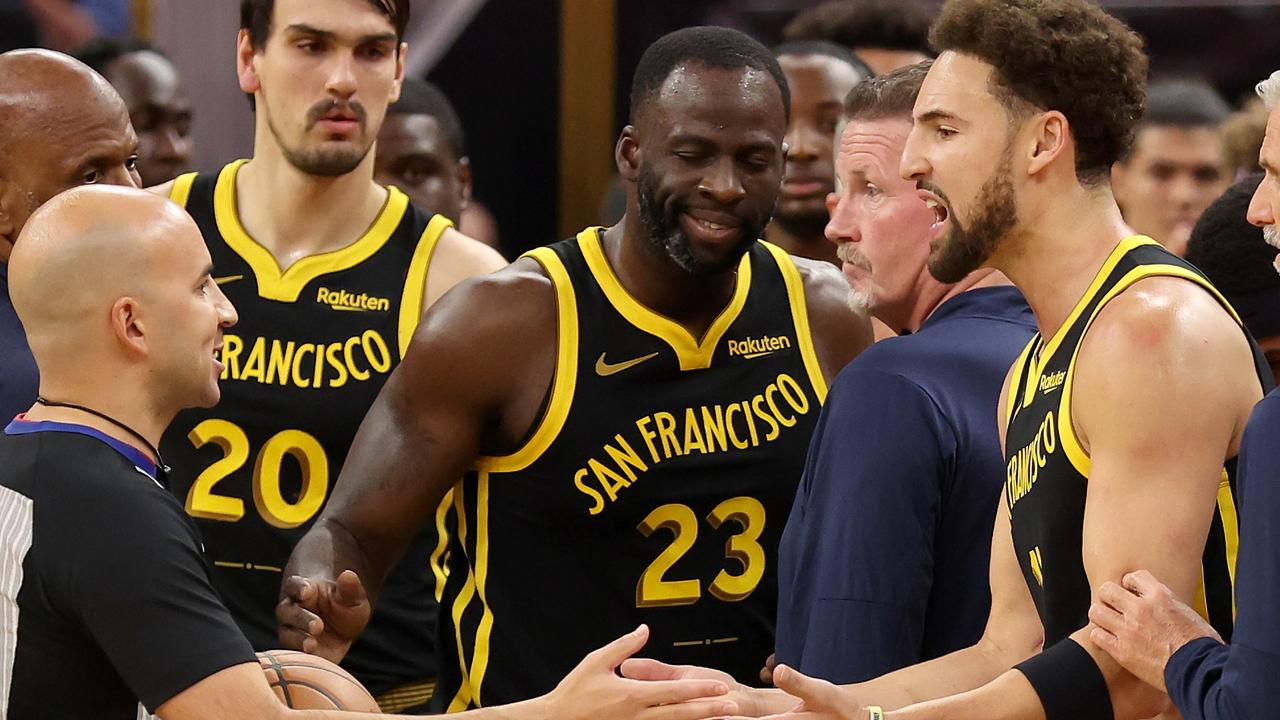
<point x="328" y="549"/>
<point x="1008" y="697"/>
<point x="953" y="674"/>
<point x="527" y="710"/>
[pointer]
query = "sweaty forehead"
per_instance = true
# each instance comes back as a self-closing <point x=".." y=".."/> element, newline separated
<point x="739" y="98"/>
<point x="873" y="144"/>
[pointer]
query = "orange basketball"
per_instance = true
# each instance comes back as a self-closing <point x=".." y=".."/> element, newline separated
<point x="307" y="682"/>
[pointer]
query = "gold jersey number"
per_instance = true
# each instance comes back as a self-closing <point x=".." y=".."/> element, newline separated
<point x="303" y="448"/>
<point x="654" y="590"/>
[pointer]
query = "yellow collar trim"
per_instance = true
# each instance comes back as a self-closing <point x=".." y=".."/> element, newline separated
<point x="692" y="354"/>
<point x="285" y="286"/>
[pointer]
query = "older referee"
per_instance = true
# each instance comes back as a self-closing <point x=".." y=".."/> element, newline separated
<point x="1164" y="642"/>
<point x="105" y="597"/>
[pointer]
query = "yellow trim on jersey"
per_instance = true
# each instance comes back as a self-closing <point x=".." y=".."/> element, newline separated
<point x="462" y="700"/>
<point x="800" y="317"/>
<point x="566" y="374"/>
<point x="181" y="190"/>
<point x="1071" y="444"/>
<point x="285" y="286"/>
<point x="480" y="655"/>
<point x="693" y="354"/>
<point x="1121" y="249"/>
<point x="1230" y="533"/>
<point x="1018" y="373"/>
<point x="442" y="545"/>
<point x="415" y="284"/>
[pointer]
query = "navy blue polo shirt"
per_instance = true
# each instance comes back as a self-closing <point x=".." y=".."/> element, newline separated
<point x="1211" y="681"/>
<point x="19" y="379"/>
<point x="885" y="556"/>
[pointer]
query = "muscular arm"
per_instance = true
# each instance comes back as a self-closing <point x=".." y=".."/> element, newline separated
<point x="839" y="333"/>
<point x="1162" y="387"/>
<point x="470" y="383"/>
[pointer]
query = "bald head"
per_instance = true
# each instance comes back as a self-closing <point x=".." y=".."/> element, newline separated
<point x="61" y="125"/>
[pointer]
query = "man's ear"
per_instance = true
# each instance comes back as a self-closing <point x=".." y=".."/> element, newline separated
<point x="627" y="154"/>
<point x="399" y="83"/>
<point x="1051" y="139"/>
<point x="13" y="215"/>
<point x="246" y="71"/>
<point x="128" y="326"/>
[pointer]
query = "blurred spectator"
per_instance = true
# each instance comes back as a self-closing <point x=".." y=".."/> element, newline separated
<point x="422" y="150"/>
<point x="820" y="74"/>
<point x="884" y="34"/>
<point x="157" y="102"/>
<point x="1242" y="136"/>
<point x="1233" y="254"/>
<point x="67" y="24"/>
<point x="1177" y="164"/>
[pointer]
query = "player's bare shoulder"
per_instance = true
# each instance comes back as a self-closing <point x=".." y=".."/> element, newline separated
<point x="840" y="330"/>
<point x="164" y="189"/>
<point x="457" y="257"/>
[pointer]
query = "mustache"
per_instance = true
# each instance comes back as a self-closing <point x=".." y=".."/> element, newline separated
<point x="930" y="187"/>
<point x="325" y="107"/>
<point x="1271" y="234"/>
<point x="850" y="254"/>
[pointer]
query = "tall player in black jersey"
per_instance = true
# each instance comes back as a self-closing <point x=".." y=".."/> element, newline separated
<point x="634" y="420"/>
<point x="1121" y="414"/>
<point x="331" y="273"/>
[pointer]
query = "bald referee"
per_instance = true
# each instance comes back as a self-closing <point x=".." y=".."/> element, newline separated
<point x="105" y="599"/>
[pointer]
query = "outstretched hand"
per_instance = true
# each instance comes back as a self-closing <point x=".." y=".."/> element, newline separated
<point x="1141" y="624"/>
<point x="322" y="617"/>
<point x="818" y="699"/>
<point x="593" y="690"/>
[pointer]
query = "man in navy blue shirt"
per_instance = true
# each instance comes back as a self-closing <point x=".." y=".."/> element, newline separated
<point x="885" y="557"/>
<point x="61" y="125"/>
<point x="1157" y="637"/>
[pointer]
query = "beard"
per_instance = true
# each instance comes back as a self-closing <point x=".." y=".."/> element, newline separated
<point x="662" y="227"/>
<point x="964" y="249"/>
<point x="1271" y="234"/>
<point x="325" y="161"/>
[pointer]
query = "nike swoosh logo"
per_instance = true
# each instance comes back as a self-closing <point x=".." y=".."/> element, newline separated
<point x="604" y="369"/>
<point x="227" y="279"/>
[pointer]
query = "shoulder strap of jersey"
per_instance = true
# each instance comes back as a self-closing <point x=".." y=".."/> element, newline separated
<point x="800" y="317"/>
<point x="415" y="284"/>
<point x="180" y="192"/>
<point x="566" y="372"/>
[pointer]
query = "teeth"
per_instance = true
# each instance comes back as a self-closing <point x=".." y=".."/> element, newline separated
<point x="932" y="204"/>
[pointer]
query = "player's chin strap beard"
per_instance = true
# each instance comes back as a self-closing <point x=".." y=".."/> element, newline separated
<point x="161" y="468"/>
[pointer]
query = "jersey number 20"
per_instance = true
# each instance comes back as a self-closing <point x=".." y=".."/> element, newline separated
<point x="202" y="502"/>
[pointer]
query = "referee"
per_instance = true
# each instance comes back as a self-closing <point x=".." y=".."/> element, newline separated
<point x="105" y="597"/>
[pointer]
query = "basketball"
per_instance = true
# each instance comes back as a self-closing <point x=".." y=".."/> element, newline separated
<point x="307" y="682"/>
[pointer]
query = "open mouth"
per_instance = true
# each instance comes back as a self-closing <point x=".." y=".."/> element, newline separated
<point x="938" y="206"/>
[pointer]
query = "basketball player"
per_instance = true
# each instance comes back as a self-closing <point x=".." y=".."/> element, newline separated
<point x="819" y="74"/>
<point x="61" y="125"/>
<point x="636" y="416"/>
<point x="331" y="273"/>
<point x="1118" y="417"/>
<point x="1156" y="636"/>
<point x="108" y="598"/>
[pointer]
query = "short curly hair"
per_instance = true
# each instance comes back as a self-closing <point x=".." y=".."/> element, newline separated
<point x="884" y="24"/>
<point x="1064" y="55"/>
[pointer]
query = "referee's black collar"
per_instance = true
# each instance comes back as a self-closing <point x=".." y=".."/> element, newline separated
<point x="139" y="459"/>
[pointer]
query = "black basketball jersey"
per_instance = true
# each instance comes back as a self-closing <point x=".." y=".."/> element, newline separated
<point x="654" y="489"/>
<point x="313" y="347"/>
<point x="1048" y="468"/>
